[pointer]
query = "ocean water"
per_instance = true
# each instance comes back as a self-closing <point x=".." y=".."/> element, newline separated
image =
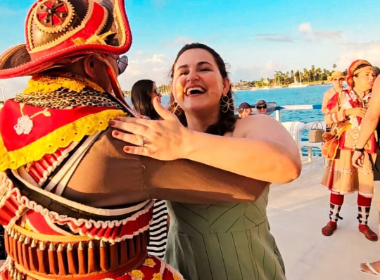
<point x="311" y="95"/>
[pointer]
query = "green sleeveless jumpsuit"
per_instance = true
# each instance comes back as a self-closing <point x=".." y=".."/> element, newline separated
<point x="228" y="241"/>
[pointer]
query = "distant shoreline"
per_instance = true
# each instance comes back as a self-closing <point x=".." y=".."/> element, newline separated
<point x="319" y="83"/>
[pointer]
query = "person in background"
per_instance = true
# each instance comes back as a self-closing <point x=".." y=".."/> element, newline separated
<point x="345" y="111"/>
<point x="244" y="110"/>
<point x="377" y="70"/>
<point x="219" y="240"/>
<point x="261" y="106"/>
<point x="142" y="94"/>
<point x="368" y="126"/>
<point x="337" y="79"/>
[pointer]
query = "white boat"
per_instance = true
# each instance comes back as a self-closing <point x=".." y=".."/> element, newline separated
<point x="276" y="86"/>
<point x="254" y="88"/>
<point x="297" y="84"/>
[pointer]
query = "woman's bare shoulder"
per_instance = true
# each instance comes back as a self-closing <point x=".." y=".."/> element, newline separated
<point x="255" y="123"/>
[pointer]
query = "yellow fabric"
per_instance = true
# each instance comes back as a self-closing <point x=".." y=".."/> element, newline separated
<point x="59" y="138"/>
<point x="94" y="39"/>
<point x="48" y="84"/>
<point x="50" y="238"/>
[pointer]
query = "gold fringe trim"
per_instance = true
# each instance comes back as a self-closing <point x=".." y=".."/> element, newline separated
<point x="48" y="84"/>
<point x="95" y="39"/>
<point x="59" y="138"/>
<point x="50" y="238"/>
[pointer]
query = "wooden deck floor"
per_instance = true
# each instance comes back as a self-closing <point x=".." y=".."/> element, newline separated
<point x="297" y="211"/>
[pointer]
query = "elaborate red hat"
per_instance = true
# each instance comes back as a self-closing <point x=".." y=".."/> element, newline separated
<point x="58" y="31"/>
<point x="356" y="67"/>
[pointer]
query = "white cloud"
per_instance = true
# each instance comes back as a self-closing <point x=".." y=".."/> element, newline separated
<point x="328" y="35"/>
<point x="274" y="37"/>
<point x="309" y="35"/>
<point x="181" y="41"/>
<point x="255" y="72"/>
<point x="156" y="58"/>
<point x="351" y="51"/>
<point x="13" y="86"/>
<point x="155" y="67"/>
<point x="305" y="27"/>
<point x="146" y="66"/>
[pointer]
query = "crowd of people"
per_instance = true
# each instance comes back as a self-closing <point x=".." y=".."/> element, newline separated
<point x="90" y="186"/>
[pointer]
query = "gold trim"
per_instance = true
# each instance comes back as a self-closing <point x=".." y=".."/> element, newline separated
<point x="61" y="137"/>
<point x="119" y="22"/>
<point x="50" y="238"/>
<point x="104" y="21"/>
<point x="365" y="68"/>
<point x="65" y="24"/>
<point x="67" y="35"/>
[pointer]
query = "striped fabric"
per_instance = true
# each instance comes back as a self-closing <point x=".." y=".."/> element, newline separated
<point x="229" y="241"/>
<point x="158" y="230"/>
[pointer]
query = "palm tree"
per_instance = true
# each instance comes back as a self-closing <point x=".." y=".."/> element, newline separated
<point x="318" y="73"/>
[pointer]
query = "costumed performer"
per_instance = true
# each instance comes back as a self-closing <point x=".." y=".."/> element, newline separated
<point x="345" y="111"/>
<point x="73" y="205"/>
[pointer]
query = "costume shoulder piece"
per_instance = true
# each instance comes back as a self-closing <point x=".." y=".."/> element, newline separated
<point x="50" y="114"/>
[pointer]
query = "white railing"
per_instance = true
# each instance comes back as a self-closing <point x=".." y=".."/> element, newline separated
<point x="295" y="108"/>
<point x="295" y="127"/>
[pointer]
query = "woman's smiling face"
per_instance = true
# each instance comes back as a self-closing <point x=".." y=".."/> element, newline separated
<point x="197" y="82"/>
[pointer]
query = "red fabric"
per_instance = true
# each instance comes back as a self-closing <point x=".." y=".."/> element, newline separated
<point x="11" y="111"/>
<point x="96" y="19"/>
<point x="333" y="101"/>
<point x="47" y="58"/>
<point x="336" y="199"/>
<point x="38" y="222"/>
<point x="364" y="201"/>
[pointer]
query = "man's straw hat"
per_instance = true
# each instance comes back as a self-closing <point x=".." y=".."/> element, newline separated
<point x="336" y="75"/>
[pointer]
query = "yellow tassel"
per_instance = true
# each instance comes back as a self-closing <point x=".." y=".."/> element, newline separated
<point x="48" y="84"/>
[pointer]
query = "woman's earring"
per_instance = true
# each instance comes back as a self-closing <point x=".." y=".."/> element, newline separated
<point x="175" y="107"/>
<point x="226" y="103"/>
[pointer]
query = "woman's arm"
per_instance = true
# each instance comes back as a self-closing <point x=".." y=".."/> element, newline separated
<point x="371" y="117"/>
<point x="107" y="176"/>
<point x="260" y="148"/>
<point x="326" y="97"/>
<point x="336" y="113"/>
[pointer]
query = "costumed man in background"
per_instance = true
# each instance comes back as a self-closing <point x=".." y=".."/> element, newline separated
<point x="345" y="111"/>
<point x="337" y="79"/>
<point x="72" y="203"/>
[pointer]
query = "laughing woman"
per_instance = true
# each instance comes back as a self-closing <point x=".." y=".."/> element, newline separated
<point x="221" y="240"/>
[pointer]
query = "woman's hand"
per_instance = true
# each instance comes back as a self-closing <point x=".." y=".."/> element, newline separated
<point x="160" y="139"/>
<point x="356" y="112"/>
<point x="358" y="159"/>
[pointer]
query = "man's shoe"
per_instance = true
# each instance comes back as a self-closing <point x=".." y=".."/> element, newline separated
<point x="368" y="233"/>
<point x="329" y="228"/>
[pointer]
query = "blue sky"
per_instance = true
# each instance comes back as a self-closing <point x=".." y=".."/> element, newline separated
<point x="254" y="37"/>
